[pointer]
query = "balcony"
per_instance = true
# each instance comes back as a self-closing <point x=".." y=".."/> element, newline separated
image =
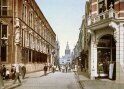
<point x="103" y="19"/>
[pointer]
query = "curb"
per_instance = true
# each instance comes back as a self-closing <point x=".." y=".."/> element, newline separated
<point x="78" y="80"/>
<point x="11" y="86"/>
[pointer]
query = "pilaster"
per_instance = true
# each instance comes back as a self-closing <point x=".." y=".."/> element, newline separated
<point x="120" y="54"/>
<point x="93" y="59"/>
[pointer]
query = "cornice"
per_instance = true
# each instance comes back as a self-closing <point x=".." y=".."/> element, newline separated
<point x="102" y="24"/>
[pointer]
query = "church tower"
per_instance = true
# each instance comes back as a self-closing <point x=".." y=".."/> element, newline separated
<point x="67" y="50"/>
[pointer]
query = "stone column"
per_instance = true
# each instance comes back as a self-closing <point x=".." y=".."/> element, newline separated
<point x="93" y="56"/>
<point x="93" y="60"/>
<point x="120" y="54"/>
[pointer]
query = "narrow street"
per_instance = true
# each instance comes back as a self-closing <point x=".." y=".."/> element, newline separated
<point x="57" y="80"/>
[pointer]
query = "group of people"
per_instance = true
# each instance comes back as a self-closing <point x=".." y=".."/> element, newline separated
<point x="14" y="73"/>
<point x="50" y="67"/>
<point x="66" y="68"/>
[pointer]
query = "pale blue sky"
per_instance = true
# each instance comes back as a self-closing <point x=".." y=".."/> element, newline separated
<point x="65" y="17"/>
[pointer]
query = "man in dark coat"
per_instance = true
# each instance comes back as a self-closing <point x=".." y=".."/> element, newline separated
<point x="45" y="69"/>
<point x="23" y="72"/>
<point x="4" y="72"/>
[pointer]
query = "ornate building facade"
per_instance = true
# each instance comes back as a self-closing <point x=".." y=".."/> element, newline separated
<point x="26" y="36"/>
<point x="105" y="24"/>
<point x="101" y="39"/>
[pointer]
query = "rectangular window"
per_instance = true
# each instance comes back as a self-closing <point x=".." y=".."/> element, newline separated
<point x="4" y="2"/>
<point x="3" y="32"/>
<point x="26" y="38"/>
<point x="30" y="55"/>
<point x="3" y="53"/>
<point x="23" y="12"/>
<point x="3" y="7"/>
<point x="23" y="38"/>
<point x="30" y="19"/>
<point x="4" y="11"/>
<point x="0" y="7"/>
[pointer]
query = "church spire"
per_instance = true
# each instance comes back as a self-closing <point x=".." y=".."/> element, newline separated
<point x="67" y="50"/>
<point x="67" y="46"/>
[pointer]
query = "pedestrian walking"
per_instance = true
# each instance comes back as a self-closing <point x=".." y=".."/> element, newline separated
<point x="63" y="68"/>
<point x="45" y="69"/>
<point x="4" y="71"/>
<point x="59" y="67"/>
<point x="7" y="74"/>
<point x="12" y="75"/>
<point x="53" y="68"/>
<point x="82" y="67"/>
<point x="76" y="67"/>
<point x="1" y="78"/>
<point x="66" y="68"/>
<point x="17" y="74"/>
<point x="49" y="66"/>
<point x="23" y="71"/>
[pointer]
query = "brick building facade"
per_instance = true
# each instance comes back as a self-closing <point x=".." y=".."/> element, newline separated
<point x="30" y="39"/>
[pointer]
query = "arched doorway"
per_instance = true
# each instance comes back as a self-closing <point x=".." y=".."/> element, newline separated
<point x="106" y="55"/>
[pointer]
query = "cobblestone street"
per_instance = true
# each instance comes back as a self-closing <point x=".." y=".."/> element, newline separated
<point x="55" y="80"/>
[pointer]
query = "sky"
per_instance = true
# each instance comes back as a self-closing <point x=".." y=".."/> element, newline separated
<point x="65" y="18"/>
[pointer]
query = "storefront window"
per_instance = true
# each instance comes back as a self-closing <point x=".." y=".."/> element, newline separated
<point x="106" y="53"/>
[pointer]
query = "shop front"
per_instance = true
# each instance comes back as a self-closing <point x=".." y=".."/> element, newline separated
<point x="106" y="57"/>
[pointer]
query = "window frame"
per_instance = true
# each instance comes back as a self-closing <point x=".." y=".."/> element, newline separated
<point x="3" y="6"/>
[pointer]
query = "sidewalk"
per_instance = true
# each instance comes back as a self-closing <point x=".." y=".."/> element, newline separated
<point x="86" y="83"/>
<point x="8" y="84"/>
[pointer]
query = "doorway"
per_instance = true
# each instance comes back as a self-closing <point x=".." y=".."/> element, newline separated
<point x="106" y="56"/>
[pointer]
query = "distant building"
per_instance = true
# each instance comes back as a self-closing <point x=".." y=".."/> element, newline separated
<point x="66" y="59"/>
<point x="57" y="53"/>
